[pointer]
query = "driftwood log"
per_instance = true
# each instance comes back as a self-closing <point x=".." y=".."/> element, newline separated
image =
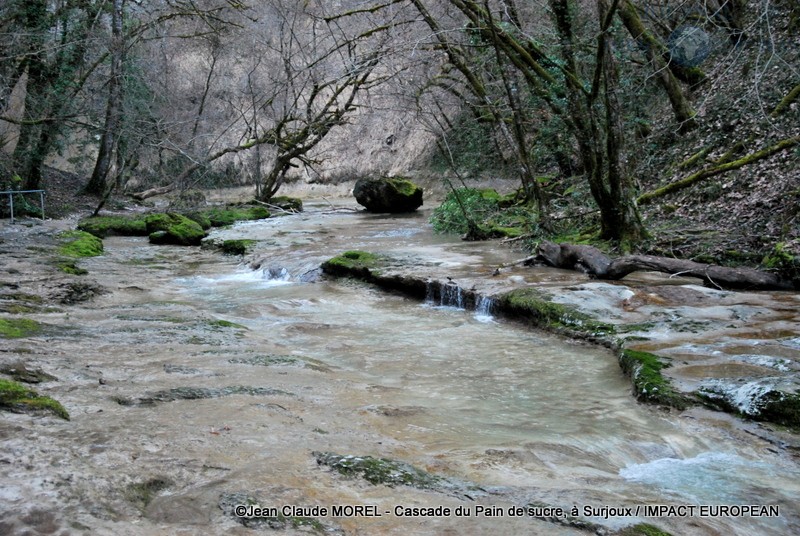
<point x="592" y="261"/>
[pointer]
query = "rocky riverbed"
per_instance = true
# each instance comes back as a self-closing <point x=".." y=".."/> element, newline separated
<point x="197" y="382"/>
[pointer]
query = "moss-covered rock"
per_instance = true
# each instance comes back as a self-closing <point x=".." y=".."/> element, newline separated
<point x="529" y="304"/>
<point x="174" y="229"/>
<point x="352" y="263"/>
<point x="228" y="502"/>
<point x="18" y="398"/>
<point x="649" y="385"/>
<point x="103" y="226"/>
<point x="379" y="470"/>
<point x="198" y="393"/>
<point x="20" y="373"/>
<point x="230" y="247"/>
<point x="142" y="493"/>
<point x="228" y="215"/>
<point x="79" y="244"/>
<point x="388" y="194"/>
<point x="16" y="328"/>
<point x="291" y="204"/>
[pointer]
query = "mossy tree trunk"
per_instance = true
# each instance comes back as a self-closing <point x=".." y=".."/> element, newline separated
<point x="654" y="50"/>
<point x="105" y="156"/>
<point x="596" y="121"/>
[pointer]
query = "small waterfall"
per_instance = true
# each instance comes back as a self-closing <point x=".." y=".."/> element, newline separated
<point x="484" y="307"/>
<point x="452" y="295"/>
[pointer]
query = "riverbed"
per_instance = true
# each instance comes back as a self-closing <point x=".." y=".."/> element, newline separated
<point x="200" y="379"/>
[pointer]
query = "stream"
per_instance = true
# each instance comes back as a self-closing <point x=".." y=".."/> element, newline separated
<point x="324" y="365"/>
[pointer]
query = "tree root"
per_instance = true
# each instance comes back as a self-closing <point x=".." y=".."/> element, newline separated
<point x="590" y="260"/>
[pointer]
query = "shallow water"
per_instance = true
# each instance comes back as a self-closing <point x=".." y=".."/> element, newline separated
<point x="527" y="416"/>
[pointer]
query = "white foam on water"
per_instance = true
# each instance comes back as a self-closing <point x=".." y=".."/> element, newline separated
<point x="262" y="278"/>
<point x="708" y="478"/>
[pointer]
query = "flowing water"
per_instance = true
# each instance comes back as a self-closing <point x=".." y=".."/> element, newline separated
<point x="526" y="416"/>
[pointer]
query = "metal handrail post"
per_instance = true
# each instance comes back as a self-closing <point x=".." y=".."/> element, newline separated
<point x="11" y="201"/>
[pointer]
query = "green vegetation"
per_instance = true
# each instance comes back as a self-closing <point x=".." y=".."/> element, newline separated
<point x="530" y="304"/>
<point x="16" y="397"/>
<point x="71" y="268"/>
<point x="231" y="247"/>
<point x="478" y="203"/>
<point x="291" y="204"/>
<point x="643" y="529"/>
<point x="379" y="470"/>
<point x="197" y="393"/>
<point x="265" y="360"/>
<point x="16" y="328"/>
<point x="649" y="384"/>
<point x="358" y="263"/>
<point x="222" y="216"/>
<point x="783" y="260"/>
<point x="79" y="244"/>
<point x="174" y="229"/>
<point x="781" y="408"/>
<point x="225" y="324"/>
<point x="103" y="226"/>
<point x="228" y="502"/>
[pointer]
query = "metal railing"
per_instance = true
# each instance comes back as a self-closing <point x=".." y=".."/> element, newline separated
<point x="12" y="193"/>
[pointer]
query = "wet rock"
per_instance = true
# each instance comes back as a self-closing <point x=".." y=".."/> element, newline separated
<point x="21" y="399"/>
<point x="289" y="204"/>
<point x="270" y="517"/>
<point x="141" y="493"/>
<point x="174" y="229"/>
<point x="649" y="385"/>
<point x="78" y="292"/>
<point x="197" y="393"/>
<point x="21" y="373"/>
<point x="758" y="399"/>
<point x="265" y="360"/>
<point x="389" y="194"/>
<point x="393" y="473"/>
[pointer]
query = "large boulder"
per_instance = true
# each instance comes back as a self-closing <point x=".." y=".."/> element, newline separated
<point x="388" y="194"/>
<point x="174" y="229"/>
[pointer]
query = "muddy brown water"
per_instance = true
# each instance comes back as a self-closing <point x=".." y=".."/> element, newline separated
<point x="339" y="366"/>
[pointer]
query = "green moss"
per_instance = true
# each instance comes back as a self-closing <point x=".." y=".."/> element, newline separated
<point x="103" y="226"/>
<point x="222" y="216"/>
<point x="70" y="267"/>
<point x="379" y="470"/>
<point x="532" y="305"/>
<point x="79" y="244"/>
<point x="353" y="263"/>
<point x="643" y="529"/>
<point x="174" y="229"/>
<point x="781" y="408"/>
<point x="198" y="393"/>
<point x="225" y="324"/>
<point x="235" y="247"/>
<point x="16" y="397"/>
<point x="292" y="204"/>
<point x="16" y="328"/>
<point x="265" y="360"/>
<point x="403" y="185"/>
<point x="649" y="384"/>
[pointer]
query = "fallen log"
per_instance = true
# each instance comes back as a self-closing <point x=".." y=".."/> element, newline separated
<point x="590" y="260"/>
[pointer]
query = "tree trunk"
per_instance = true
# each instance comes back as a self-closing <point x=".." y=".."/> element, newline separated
<point x="97" y="184"/>
<point x="683" y="111"/>
<point x="594" y="262"/>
